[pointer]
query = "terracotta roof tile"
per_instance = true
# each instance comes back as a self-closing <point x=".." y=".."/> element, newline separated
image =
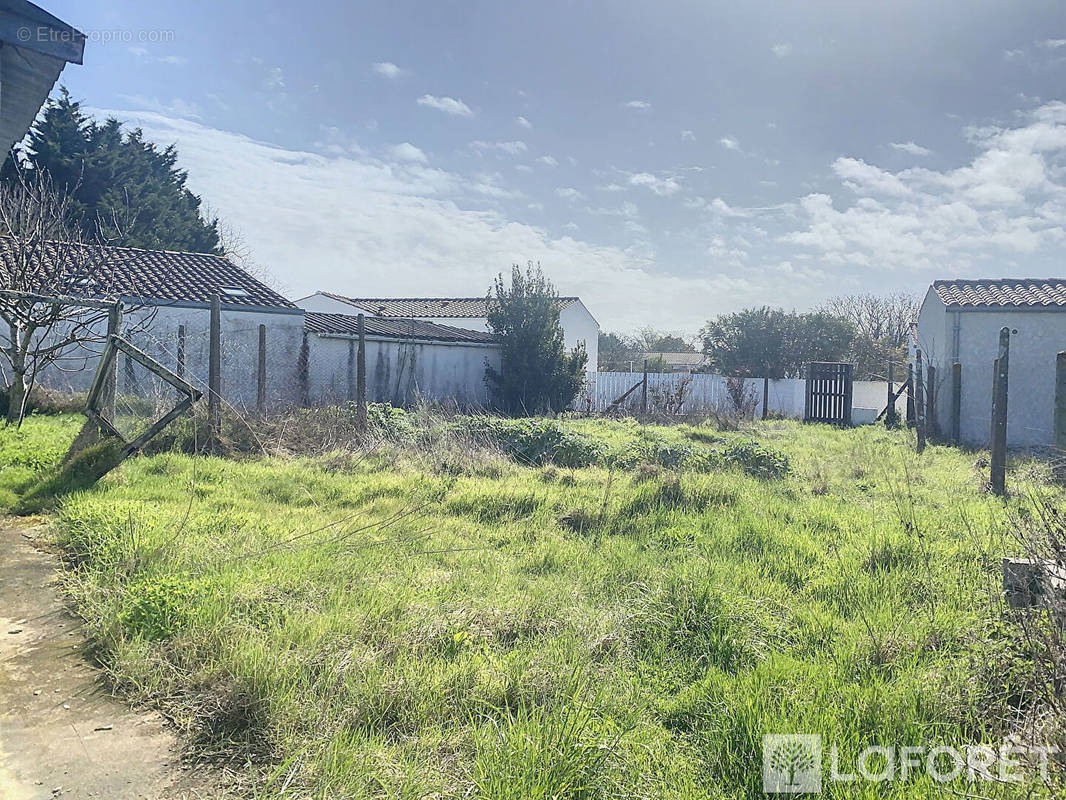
<point x="1003" y="293"/>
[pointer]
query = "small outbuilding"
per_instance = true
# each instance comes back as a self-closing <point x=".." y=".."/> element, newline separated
<point x="960" y="322"/>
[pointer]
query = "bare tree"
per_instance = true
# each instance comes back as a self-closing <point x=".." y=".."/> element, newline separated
<point x="880" y="318"/>
<point x="54" y="285"/>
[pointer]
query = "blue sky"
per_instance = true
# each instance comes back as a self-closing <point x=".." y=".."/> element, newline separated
<point x="666" y="161"/>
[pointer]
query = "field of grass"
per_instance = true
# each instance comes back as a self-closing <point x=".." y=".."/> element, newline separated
<point x="451" y="623"/>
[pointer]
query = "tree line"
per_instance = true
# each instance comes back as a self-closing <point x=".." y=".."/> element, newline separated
<point x="865" y="329"/>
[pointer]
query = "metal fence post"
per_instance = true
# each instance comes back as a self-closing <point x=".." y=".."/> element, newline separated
<point x="261" y="372"/>
<point x="890" y="406"/>
<point x="644" y="390"/>
<point x="765" y="397"/>
<point x="360" y="378"/>
<point x="1060" y="399"/>
<point x="998" y="460"/>
<point x="930" y="403"/>
<point x="919" y="400"/>
<point x="214" y="375"/>
<point x="956" y="402"/>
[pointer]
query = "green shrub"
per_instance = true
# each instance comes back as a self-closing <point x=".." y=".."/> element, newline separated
<point x="158" y="608"/>
<point x="536" y="441"/>
<point x="757" y="460"/>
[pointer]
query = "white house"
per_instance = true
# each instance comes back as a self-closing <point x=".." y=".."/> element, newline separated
<point x="579" y="326"/>
<point x="959" y="322"/>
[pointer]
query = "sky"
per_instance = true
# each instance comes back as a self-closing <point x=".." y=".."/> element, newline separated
<point x="666" y="161"/>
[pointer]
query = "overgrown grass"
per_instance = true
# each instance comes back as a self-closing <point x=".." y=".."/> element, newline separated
<point x="377" y="625"/>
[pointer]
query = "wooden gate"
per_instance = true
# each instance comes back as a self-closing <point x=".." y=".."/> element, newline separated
<point x="827" y="397"/>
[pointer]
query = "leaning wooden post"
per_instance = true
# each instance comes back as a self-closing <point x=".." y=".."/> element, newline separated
<point x="214" y="375"/>
<point x="956" y="402"/>
<point x="765" y="397"/>
<point x="1060" y="399"/>
<point x="644" y="390"/>
<point x="930" y="403"/>
<point x="890" y="406"/>
<point x="360" y="376"/>
<point x="352" y="393"/>
<point x="261" y="372"/>
<point x="919" y="400"/>
<point x="998" y="460"/>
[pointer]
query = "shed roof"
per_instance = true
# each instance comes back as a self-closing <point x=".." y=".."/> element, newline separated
<point x="347" y="325"/>
<point x="150" y="276"/>
<point x="34" y="48"/>
<point x="999" y="293"/>
<point x="445" y="307"/>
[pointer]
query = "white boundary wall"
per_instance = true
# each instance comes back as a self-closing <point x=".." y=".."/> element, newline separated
<point x="707" y="391"/>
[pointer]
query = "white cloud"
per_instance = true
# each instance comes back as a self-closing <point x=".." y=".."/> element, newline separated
<point x="525" y="123"/>
<point x="1010" y="200"/>
<point x="782" y="50"/>
<point x="417" y="230"/>
<point x="612" y="187"/>
<point x="510" y="148"/>
<point x="569" y="193"/>
<point x="729" y="143"/>
<point x="387" y="69"/>
<point x="548" y="161"/>
<point x="911" y="148"/>
<point x="173" y="108"/>
<point x="688" y="136"/>
<point x="721" y="207"/>
<point x="638" y="105"/>
<point x="449" y="105"/>
<point x="1053" y="44"/>
<point x="664" y="187"/>
<point x="408" y="152"/>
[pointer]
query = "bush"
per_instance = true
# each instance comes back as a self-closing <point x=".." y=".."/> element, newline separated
<point x="654" y="451"/>
<point x="757" y="460"/>
<point x="535" y="441"/>
<point x="157" y="608"/>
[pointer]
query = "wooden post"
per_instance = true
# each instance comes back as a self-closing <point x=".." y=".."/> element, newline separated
<point x="849" y="393"/>
<point x="644" y="389"/>
<point x="107" y="399"/>
<point x="765" y="397"/>
<point x="890" y="407"/>
<point x="360" y="376"/>
<point x="910" y="395"/>
<point x="303" y="372"/>
<point x="919" y="400"/>
<point x="956" y="402"/>
<point x="930" y="403"/>
<point x="998" y="465"/>
<point x="352" y="394"/>
<point x="1060" y="399"/>
<point x="261" y="372"/>
<point x="181" y="351"/>
<point x="214" y="375"/>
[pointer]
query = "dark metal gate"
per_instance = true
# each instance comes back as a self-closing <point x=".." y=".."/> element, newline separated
<point x="828" y="393"/>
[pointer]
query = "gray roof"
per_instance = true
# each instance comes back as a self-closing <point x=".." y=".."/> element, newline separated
<point x="994" y="293"/>
<point x="34" y="48"/>
<point x="454" y="307"/>
<point x="151" y="276"/>
<point x="347" y="325"/>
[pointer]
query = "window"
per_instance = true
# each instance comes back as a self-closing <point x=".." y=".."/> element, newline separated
<point x="233" y="291"/>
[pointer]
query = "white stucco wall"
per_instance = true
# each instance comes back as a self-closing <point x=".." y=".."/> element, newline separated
<point x="402" y="373"/>
<point x="1031" y="378"/>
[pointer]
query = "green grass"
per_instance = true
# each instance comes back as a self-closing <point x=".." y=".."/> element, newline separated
<point x="35" y="450"/>
<point x="446" y="626"/>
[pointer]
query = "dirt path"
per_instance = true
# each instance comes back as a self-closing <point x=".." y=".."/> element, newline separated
<point x="61" y="733"/>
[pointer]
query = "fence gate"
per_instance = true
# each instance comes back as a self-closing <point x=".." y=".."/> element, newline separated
<point x="828" y="393"/>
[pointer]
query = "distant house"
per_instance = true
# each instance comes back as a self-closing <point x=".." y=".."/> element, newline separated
<point x="959" y="323"/>
<point x="34" y="48"/>
<point x="579" y="326"/>
<point x="677" y="362"/>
